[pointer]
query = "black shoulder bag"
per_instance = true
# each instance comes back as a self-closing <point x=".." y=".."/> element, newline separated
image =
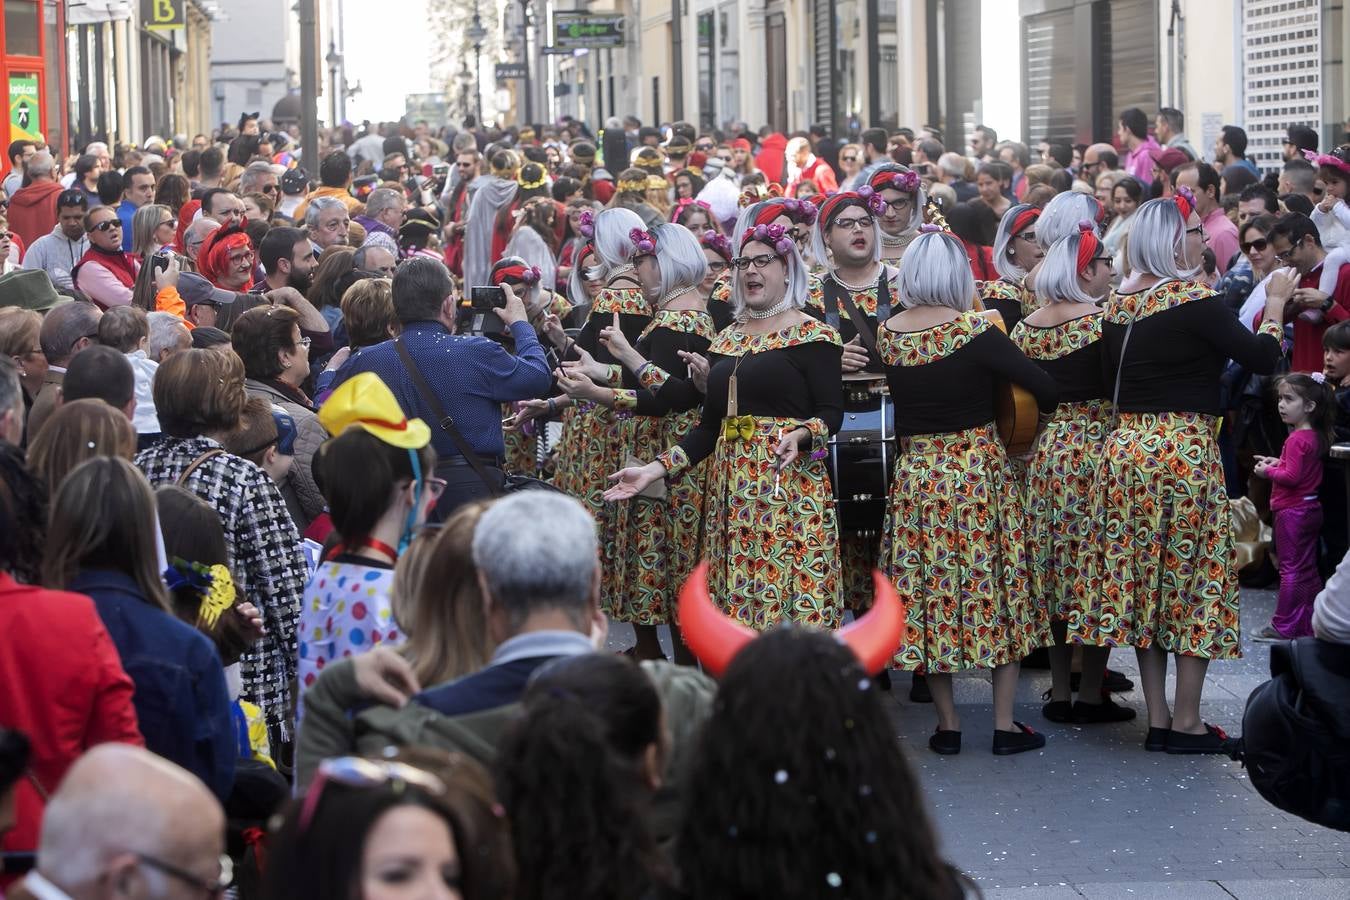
<point x="502" y="483"/>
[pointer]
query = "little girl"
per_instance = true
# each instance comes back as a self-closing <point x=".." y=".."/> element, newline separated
<point x="1306" y="405"/>
<point x="1332" y="215"/>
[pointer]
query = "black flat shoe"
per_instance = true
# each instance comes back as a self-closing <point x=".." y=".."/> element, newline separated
<point x="1097" y="713"/>
<point x="918" y="690"/>
<point x="947" y="743"/>
<point x="1020" y="740"/>
<point x="1156" y="741"/>
<point x="883" y="681"/>
<point x="1212" y="741"/>
<point x="1113" y="682"/>
<point x="1060" y="711"/>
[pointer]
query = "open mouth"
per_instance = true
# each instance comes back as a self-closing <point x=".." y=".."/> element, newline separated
<point x="859" y="243"/>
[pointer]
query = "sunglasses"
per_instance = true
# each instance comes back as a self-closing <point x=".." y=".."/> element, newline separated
<point x="357" y="772"/>
<point x="107" y="225"/>
<point x="172" y="223"/>
<point x="270" y="188"/>
<point x="759" y="262"/>
<point x="1259" y="245"/>
<point x="212" y="887"/>
<point x="849" y="158"/>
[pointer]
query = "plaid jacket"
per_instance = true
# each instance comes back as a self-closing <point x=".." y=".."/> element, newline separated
<point x="265" y="556"/>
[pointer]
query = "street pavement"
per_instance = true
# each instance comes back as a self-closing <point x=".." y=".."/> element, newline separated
<point x="1093" y="815"/>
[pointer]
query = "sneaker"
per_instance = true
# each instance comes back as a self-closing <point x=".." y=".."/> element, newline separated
<point x="1020" y="740"/>
<point x="1060" y="711"/>
<point x="918" y="690"/>
<point x="1097" y="713"/>
<point x="1268" y="635"/>
<point x="946" y="743"/>
<point x="1156" y="741"/>
<point x="1212" y="741"/>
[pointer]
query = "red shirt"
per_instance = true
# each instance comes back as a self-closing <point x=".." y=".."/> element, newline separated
<point x="64" y="687"/>
<point x="1307" y="355"/>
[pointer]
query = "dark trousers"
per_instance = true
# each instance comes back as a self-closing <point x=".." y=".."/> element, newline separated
<point x="462" y="486"/>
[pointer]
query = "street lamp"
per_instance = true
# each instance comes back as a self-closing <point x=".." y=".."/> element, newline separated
<point x="476" y="35"/>
<point x="334" y="60"/>
<point x="525" y="41"/>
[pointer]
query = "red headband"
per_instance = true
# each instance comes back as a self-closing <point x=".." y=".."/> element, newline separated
<point x="516" y="273"/>
<point x="1025" y="219"/>
<point x="1185" y="201"/>
<point x="1088" y="245"/>
<point x="836" y="204"/>
<point x="715" y="638"/>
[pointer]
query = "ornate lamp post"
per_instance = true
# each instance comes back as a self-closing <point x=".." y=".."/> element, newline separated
<point x="476" y="35"/>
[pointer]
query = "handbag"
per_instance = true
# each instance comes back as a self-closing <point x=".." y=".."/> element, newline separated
<point x="497" y="486"/>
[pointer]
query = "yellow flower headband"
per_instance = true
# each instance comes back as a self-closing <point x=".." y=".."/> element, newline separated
<point x="634" y="186"/>
<point x="531" y="185"/>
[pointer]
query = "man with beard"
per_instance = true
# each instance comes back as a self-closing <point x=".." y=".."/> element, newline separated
<point x="287" y="260"/>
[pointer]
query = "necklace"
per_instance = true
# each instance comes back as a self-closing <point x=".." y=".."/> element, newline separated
<point x="781" y="307"/>
<point x="899" y="241"/>
<point x="851" y="287"/>
<point x="669" y="298"/>
<point x="624" y="269"/>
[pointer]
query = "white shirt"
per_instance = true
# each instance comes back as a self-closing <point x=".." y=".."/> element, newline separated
<point x="43" y="889"/>
<point x="145" y="419"/>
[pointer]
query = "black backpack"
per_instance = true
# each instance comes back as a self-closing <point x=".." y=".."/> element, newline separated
<point x="1296" y="732"/>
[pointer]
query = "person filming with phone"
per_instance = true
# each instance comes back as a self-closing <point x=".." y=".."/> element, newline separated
<point x="457" y="383"/>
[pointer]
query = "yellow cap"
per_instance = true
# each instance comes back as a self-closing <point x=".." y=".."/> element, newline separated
<point x="364" y="401"/>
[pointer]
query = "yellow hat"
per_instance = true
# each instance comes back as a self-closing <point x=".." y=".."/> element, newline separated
<point x="364" y="401"/>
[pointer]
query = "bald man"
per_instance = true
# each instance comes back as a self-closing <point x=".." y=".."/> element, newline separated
<point x="1097" y="160"/>
<point x="196" y="234"/>
<point x="130" y="825"/>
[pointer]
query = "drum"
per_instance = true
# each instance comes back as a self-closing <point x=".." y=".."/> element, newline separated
<point x="862" y="455"/>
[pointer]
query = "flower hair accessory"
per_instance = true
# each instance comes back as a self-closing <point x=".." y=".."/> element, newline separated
<point x="906" y="182"/>
<point x="643" y="241"/>
<point x="776" y="236"/>
<point x="717" y="243"/>
<point x="1334" y="160"/>
<point x="930" y="228"/>
<point x="1088" y="244"/>
<point x="803" y="211"/>
<point x="586" y="224"/>
<point x="684" y="204"/>
<point x="213" y="583"/>
<point x="532" y="185"/>
<point x="1318" y="377"/>
<point x="1185" y="201"/>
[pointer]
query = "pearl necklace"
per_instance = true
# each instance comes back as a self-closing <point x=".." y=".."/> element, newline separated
<point x="622" y="270"/>
<point x="678" y="292"/>
<point x="900" y="241"/>
<point x="853" y="287"/>
<point x="781" y="307"/>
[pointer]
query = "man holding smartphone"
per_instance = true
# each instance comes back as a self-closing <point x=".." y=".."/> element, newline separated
<point x="460" y="377"/>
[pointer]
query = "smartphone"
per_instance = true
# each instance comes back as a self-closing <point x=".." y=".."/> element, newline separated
<point x="160" y="261"/>
<point x="487" y="298"/>
<point x="440" y="170"/>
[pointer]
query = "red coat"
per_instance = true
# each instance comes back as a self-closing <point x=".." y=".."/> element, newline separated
<point x="32" y="210"/>
<point x="64" y="687"/>
<point x="819" y="173"/>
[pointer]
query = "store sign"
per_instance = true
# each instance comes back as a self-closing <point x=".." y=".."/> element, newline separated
<point x="162" y="15"/>
<point x="25" y="116"/>
<point x="584" y="30"/>
<point x="512" y="71"/>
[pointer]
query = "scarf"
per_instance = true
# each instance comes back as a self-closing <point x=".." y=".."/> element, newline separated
<point x="294" y="394"/>
<point x="119" y="263"/>
<point x="492" y="196"/>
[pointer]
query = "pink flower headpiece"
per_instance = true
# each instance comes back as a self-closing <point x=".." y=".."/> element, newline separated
<point x="802" y="211"/>
<point x="869" y="198"/>
<point x="1184" y="198"/>
<point x="643" y="241"/>
<point x="684" y="204"/>
<point x="1329" y="160"/>
<point x="776" y="236"/>
<point x="907" y="182"/>
<point x="717" y="243"/>
<point x="586" y="224"/>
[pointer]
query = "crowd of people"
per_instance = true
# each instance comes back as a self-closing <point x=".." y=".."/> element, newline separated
<point x="319" y="489"/>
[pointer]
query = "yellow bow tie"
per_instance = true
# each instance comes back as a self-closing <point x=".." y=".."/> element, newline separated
<point x="738" y="427"/>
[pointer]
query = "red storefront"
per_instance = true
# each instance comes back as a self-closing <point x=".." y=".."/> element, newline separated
<point x="31" y="69"/>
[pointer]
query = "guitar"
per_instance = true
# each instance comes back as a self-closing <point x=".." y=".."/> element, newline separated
<point x="1015" y="412"/>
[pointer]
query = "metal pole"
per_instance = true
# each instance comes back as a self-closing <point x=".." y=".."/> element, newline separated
<point x="677" y="61"/>
<point x="309" y="89"/>
<point x="525" y="38"/>
<point x="478" y="83"/>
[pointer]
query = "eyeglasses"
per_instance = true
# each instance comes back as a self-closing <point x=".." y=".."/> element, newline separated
<point x="1259" y="245"/>
<point x="897" y="205"/>
<point x="357" y="772"/>
<point x="304" y="342"/>
<point x="213" y="888"/>
<point x="245" y="256"/>
<point x="799" y="234"/>
<point x="107" y="225"/>
<point x="1200" y="230"/>
<point x="717" y="267"/>
<point x="759" y="262"/>
<point x="1103" y="259"/>
<point x="1028" y="236"/>
<point x="863" y="222"/>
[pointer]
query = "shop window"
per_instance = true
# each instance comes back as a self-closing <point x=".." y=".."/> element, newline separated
<point x="21" y="28"/>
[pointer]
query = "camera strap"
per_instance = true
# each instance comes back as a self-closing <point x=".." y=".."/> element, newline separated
<point x="447" y="424"/>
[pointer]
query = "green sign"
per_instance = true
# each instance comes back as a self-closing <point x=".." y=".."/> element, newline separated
<point x="25" y="116"/>
<point x="582" y="30"/>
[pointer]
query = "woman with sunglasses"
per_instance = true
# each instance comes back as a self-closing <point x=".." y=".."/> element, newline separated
<point x="1168" y="583"/>
<point x="1016" y="252"/>
<point x="850" y="165"/>
<point x="106" y="273"/>
<point x="375" y="473"/>
<point x="1064" y="337"/>
<point x="774" y="398"/>
<point x="902" y="207"/>
<point x="413" y="823"/>
<point x="953" y="538"/>
<point x="1257" y="261"/>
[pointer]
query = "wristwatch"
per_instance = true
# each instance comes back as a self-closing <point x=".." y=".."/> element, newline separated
<point x="1328" y="303"/>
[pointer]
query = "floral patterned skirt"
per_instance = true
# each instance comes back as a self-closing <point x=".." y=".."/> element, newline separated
<point x="772" y="557"/>
<point x="954" y="546"/>
<point x="521" y="448"/>
<point x="656" y="541"/>
<point x="578" y="465"/>
<point x="1166" y="557"/>
<point x="1062" y="527"/>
